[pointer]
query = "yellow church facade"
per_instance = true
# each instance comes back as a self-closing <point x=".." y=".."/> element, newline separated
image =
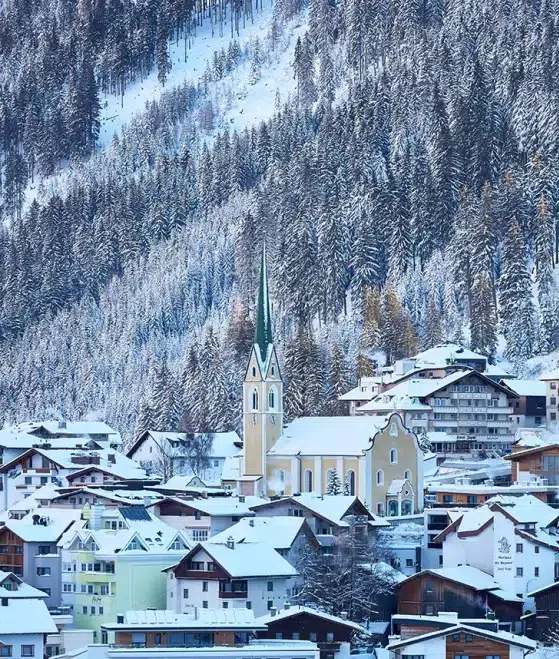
<point x="377" y="459"/>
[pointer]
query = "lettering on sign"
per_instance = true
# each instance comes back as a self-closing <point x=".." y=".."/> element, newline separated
<point x="503" y="562"/>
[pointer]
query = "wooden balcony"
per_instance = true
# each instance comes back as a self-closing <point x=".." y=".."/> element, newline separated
<point x="241" y="594"/>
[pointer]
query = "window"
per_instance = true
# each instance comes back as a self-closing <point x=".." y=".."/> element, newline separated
<point x="553" y="385"/>
<point x="177" y="544"/>
<point x="350" y="482"/>
<point x="92" y="610"/>
<point x="27" y="650"/>
<point x="296" y="636"/>
<point x="553" y="401"/>
<point x="492" y="656"/>
<point x="46" y="591"/>
<point x="157" y="639"/>
<point x="139" y="640"/>
<point x="216" y="463"/>
<point x="254" y="400"/>
<point x="67" y="587"/>
<point x="6" y="651"/>
<point x="407" y="474"/>
<point x="4" y="549"/>
<point x="225" y="605"/>
<point x="519" y="548"/>
<point x="536" y="549"/>
<point x="469" y="638"/>
<point x="84" y="610"/>
<point x="279" y="636"/>
<point x="448" y="498"/>
<point x="270" y="604"/>
<point x="409" y="562"/>
<point x="272" y="398"/>
<point x="43" y="571"/>
<point x="312" y="637"/>
<point x="196" y="565"/>
<point x="308" y="480"/>
<point x="270" y="586"/>
<point x="101" y="610"/>
<point x="211" y="566"/>
<point x="536" y="571"/>
<point x="380" y="477"/>
<point x="254" y="371"/>
<point x="461" y="656"/>
<point x="248" y="605"/>
<point x="204" y="586"/>
<point x="185" y="593"/>
<point x="44" y="549"/>
<point x="553" y="416"/>
<point x="28" y="481"/>
<point x="205" y="604"/>
<point x="197" y="514"/>
<point x="330" y="637"/>
<point x="104" y="589"/>
<point x="519" y="572"/>
<point x="393" y="456"/>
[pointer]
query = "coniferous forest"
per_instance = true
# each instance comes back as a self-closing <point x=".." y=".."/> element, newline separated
<point x="407" y="191"/>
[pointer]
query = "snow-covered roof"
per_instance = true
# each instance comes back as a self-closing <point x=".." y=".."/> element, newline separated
<point x="123" y="496"/>
<point x="500" y="636"/>
<point x="526" y="387"/>
<point x="185" y="484"/>
<point x="470" y="576"/>
<point x="231" y="468"/>
<point x="23" y="591"/>
<point x="527" y="509"/>
<point x="389" y="401"/>
<point x="280" y="532"/>
<point x="219" y="506"/>
<point x="224" y="444"/>
<point x="79" y="428"/>
<point x="396" y="486"/>
<point x="249" y="560"/>
<point x="328" y="435"/>
<point x="117" y="464"/>
<point x="152" y="534"/>
<point x="25" y="616"/>
<point x="293" y="611"/>
<point x="58" y="521"/>
<point x="551" y="375"/>
<point x="534" y="437"/>
<point x="332" y="508"/>
<point x="446" y="353"/>
<point x="358" y="394"/>
<point x="494" y="370"/>
<point x="14" y="438"/>
<point x="235" y="618"/>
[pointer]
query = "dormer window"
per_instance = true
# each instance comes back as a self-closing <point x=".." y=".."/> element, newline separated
<point x="177" y="544"/>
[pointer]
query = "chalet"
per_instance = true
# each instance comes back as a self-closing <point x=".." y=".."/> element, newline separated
<point x="466" y="590"/>
<point x="98" y="431"/>
<point x="39" y="466"/>
<point x="332" y="634"/>
<point x="461" y="640"/>
<point x="543" y="620"/>
<point x="535" y="465"/>
<point x="327" y="516"/>
<point x="231" y="575"/>
<point x="203" y="518"/>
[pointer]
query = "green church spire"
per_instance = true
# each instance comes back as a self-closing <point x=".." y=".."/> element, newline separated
<point x="263" y="335"/>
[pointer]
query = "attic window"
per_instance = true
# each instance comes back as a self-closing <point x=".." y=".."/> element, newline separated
<point x="254" y="371"/>
<point x="133" y="545"/>
<point x="177" y="544"/>
<point x="273" y="370"/>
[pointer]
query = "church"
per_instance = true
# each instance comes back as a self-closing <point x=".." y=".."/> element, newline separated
<point x="377" y="459"/>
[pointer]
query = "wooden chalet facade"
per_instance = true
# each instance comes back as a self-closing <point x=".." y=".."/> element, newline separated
<point x="11" y="552"/>
<point x="540" y="462"/>
<point x="544" y="621"/>
<point x="428" y="593"/>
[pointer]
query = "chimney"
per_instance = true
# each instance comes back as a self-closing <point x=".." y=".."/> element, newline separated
<point x="343" y="615"/>
<point x="273" y="611"/>
<point x="5" y="601"/>
<point x="230" y="542"/>
<point x="242" y="498"/>
<point x="120" y="620"/>
<point x="287" y="606"/>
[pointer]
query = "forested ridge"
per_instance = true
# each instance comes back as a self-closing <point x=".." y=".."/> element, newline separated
<point x="407" y="192"/>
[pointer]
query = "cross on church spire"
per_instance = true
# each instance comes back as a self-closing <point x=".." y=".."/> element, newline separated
<point x="263" y="334"/>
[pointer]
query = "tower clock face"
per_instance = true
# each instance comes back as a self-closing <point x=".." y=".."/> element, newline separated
<point x="254" y="419"/>
<point x="273" y="418"/>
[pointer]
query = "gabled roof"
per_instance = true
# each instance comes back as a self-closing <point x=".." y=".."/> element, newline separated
<point x="467" y="575"/>
<point x="81" y="428"/>
<point x="331" y="508"/>
<point x="217" y="505"/>
<point x="223" y="443"/>
<point x="526" y="387"/>
<point x="58" y="521"/>
<point x="24" y="590"/>
<point x="328" y="435"/>
<point x="517" y="455"/>
<point x="245" y="560"/>
<point x="294" y="611"/>
<point x="539" y="591"/>
<point x="551" y="375"/>
<point x="501" y="636"/>
<point x="280" y="532"/>
<point x="25" y="616"/>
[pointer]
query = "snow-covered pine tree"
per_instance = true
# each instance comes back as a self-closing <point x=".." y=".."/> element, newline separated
<point x="334" y="483"/>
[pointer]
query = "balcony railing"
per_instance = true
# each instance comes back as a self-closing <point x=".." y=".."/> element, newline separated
<point x="240" y="594"/>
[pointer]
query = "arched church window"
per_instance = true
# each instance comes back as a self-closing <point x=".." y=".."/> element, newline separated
<point x="280" y="477"/>
<point x="308" y="480"/>
<point x="350" y="482"/>
<point x="407" y="507"/>
<point x="272" y="398"/>
<point x="393" y="456"/>
<point x="380" y="477"/>
<point x="254" y="371"/>
<point x="273" y="370"/>
<point x="407" y="475"/>
<point x="254" y="400"/>
<point x="393" y="508"/>
<point x="380" y="508"/>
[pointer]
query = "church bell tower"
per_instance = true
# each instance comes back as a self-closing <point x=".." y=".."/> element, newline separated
<point x="262" y="389"/>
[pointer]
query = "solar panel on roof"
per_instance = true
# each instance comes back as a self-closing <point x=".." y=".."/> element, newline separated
<point x="135" y="513"/>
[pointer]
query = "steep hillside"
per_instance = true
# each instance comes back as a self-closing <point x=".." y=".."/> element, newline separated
<point x="399" y="158"/>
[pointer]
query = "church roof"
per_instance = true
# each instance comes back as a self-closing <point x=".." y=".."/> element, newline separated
<point x="263" y="334"/>
<point x="328" y="435"/>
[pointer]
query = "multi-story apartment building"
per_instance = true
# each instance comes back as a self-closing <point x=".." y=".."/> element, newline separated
<point x="232" y="575"/>
<point x="551" y="380"/>
<point x="470" y="408"/>
<point x="116" y="564"/>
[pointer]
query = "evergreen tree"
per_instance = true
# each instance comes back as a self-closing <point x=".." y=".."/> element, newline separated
<point x="334" y="484"/>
